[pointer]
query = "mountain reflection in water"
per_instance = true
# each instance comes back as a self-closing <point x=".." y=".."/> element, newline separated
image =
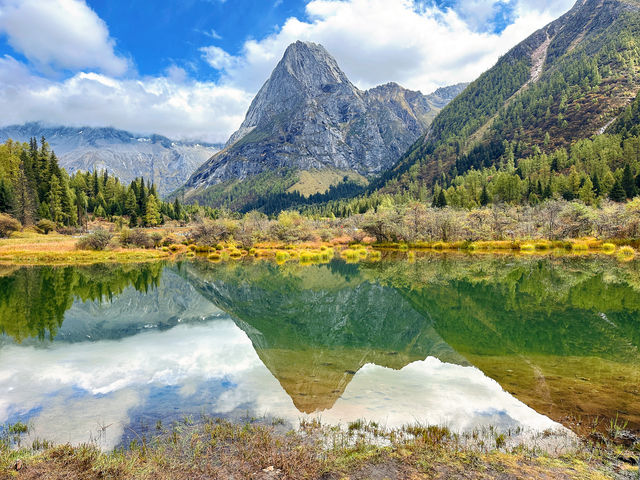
<point x="98" y="352"/>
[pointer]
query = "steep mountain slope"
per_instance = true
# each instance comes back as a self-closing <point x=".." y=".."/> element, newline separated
<point x="566" y="82"/>
<point x="308" y="116"/>
<point x="125" y="155"/>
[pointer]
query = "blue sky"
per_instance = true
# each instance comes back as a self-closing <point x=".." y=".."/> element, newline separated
<point x="174" y="30"/>
<point x="189" y="68"/>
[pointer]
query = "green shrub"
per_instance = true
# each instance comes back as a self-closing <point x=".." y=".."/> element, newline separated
<point x="156" y="239"/>
<point x="375" y="255"/>
<point x="8" y="225"/>
<point x="135" y="238"/>
<point x="46" y="226"/>
<point x="98" y="240"/>
<point x="282" y="256"/>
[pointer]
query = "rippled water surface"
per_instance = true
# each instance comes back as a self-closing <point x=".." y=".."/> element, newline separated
<point x="103" y="353"/>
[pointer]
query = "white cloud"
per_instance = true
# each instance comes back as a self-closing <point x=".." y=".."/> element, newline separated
<point x="374" y="41"/>
<point x="63" y="34"/>
<point x="217" y="58"/>
<point x="72" y="388"/>
<point x="171" y="105"/>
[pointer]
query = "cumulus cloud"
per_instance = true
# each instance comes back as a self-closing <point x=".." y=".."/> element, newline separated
<point x="63" y="34"/>
<point x="68" y="389"/>
<point x="411" y="42"/>
<point x="217" y="58"/>
<point x="376" y="41"/>
<point x="171" y="104"/>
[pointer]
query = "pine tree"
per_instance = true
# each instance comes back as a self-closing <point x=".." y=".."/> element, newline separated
<point x="100" y="213"/>
<point x="440" y="200"/>
<point x="81" y="207"/>
<point x="55" y="201"/>
<point x="586" y="193"/>
<point x="177" y="209"/>
<point x="629" y="182"/>
<point x="617" y="193"/>
<point x="24" y="204"/>
<point x="484" y="196"/>
<point x="152" y="216"/>
<point x="131" y="203"/>
<point x="96" y="184"/>
<point x="595" y="180"/>
<point x="142" y="193"/>
<point x="6" y="196"/>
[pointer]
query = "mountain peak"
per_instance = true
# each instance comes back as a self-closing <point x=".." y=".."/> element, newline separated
<point x="311" y="65"/>
<point x="305" y="72"/>
<point x="309" y="117"/>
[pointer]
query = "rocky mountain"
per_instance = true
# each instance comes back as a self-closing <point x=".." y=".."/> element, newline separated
<point x="166" y="162"/>
<point x="315" y="328"/>
<point x="568" y="81"/>
<point x="309" y="117"/>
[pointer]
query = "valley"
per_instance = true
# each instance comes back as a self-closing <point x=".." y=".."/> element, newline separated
<point x="362" y="281"/>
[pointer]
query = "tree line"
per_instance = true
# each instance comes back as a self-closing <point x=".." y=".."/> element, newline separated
<point x="33" y="187"/>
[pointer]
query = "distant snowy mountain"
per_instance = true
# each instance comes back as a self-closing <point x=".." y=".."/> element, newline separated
<point x="166" y="162"/>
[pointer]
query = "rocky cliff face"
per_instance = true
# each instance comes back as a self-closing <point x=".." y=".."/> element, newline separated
<point x="127" y="156"/>
<point x="308" y="115"/>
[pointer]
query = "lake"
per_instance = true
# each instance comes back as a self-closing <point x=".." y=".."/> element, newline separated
<point x="105" y="353"/>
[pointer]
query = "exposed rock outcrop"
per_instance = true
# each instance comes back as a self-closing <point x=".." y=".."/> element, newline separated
<point x="308" y="116"/>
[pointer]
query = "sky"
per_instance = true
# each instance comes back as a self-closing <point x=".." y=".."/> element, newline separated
<point x="188" y="69"/>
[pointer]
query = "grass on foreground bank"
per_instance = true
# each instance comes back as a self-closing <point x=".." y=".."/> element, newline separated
<point x="219" y="449"/>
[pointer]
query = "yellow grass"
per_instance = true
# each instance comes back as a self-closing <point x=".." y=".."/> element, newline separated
<point x="27" y="248"/>
<point x="319" y="181"/>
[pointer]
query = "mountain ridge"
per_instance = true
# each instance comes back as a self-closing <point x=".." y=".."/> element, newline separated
<point x="565" y="82"/>
<point x="309" y="116"/>
<point x="126" y="155"/>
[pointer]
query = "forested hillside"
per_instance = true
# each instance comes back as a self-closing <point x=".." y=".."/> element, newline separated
<point x="565" y="83"/>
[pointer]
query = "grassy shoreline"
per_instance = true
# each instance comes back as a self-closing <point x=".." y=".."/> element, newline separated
<point x="26" y="249"/>
<point x="31" y="247"/>
<point x="60" y="251"/>
<point x="216" y="448"/>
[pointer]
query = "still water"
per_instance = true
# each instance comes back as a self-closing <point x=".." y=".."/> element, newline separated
<point x="103" y="353"/>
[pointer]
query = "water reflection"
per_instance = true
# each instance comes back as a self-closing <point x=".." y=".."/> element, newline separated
<point x="463" y="343"/>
